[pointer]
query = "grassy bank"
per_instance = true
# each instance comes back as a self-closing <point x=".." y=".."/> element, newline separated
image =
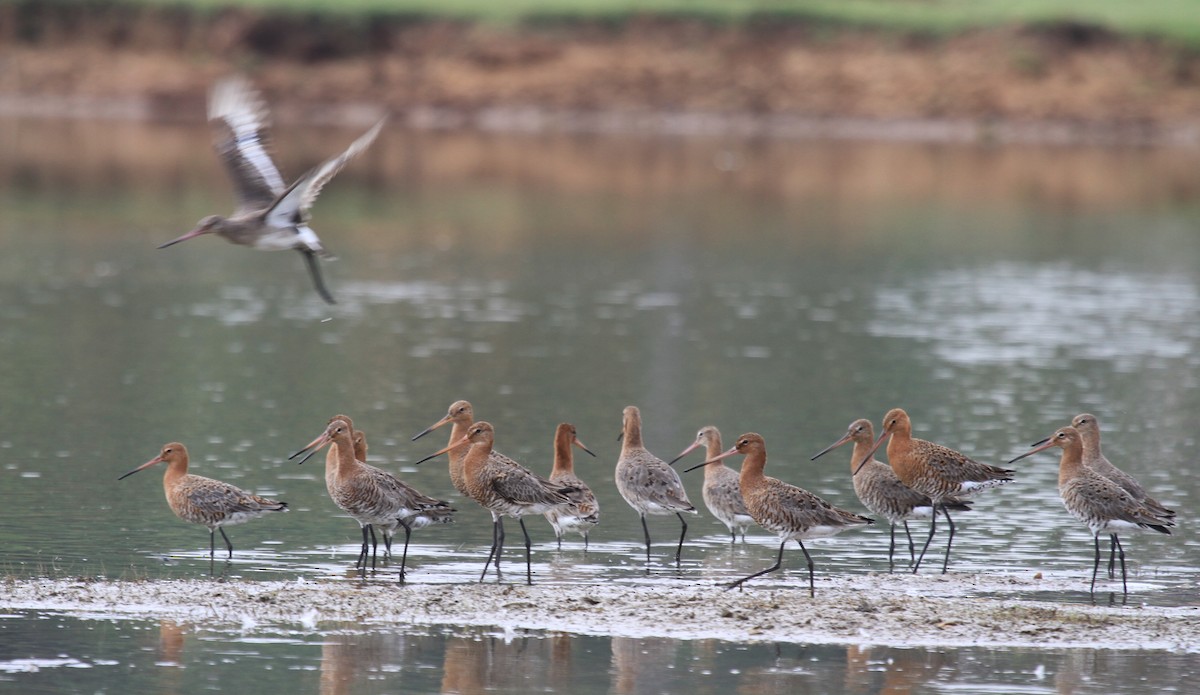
<point x="1176" y="20"/>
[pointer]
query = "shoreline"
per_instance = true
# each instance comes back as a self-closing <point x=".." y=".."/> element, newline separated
<point x="890" y="610"/>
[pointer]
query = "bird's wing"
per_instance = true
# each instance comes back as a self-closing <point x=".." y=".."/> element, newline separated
<point x="292" y="206"/>
<point x="238" y="117"/>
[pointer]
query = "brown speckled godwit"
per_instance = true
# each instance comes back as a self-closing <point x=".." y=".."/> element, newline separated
<point x="1094" y="458"/>
<point x="933" y="470"/>
<point x="1101" y="504"/>
<point x="881" y="491"/>
<point x="646" y="482"/>
<point x="584" y="511"/>
<point x="504" y="489"/>
<point x="790" y="512"/>
<point x="721" y="492"/>
<point x="374" y="497"/>
<point x="270" y="215"/>
<point x="205" y="501"/>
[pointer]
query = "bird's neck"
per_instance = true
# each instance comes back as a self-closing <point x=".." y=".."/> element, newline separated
<point x="711" y="451"/>
<point x="564" y="458"/>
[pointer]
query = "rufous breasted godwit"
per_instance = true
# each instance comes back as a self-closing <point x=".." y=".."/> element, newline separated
<point x="270" y="215"/>
<point x="721" y="492"/>
<point x="205" y="501"/>
<point x="788" y="511"/>
<point x="1101" y="504"/>
<point x="881" y="491"/>
<point x="584" y="511"/>
<point x="933" y="470"/>
<point x="374" y="497"/>
<point x="646" y="482"/>
<point x="504" y="489"/>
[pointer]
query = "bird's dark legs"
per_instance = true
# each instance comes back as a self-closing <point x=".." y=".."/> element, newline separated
<point x="812" y="591"/>
<point x="362" y="552"/>
<point x="932" y="529"/>
<point x="891" y="548"/>
<point x="1121" y="554"/>
<point x="912" y="549"/>
<point x="314" y="269"/>
<point x="374" y="549"/>
<point x="528" y="562"/>
<point x="228" y="545"/>
<point x="772" y="568"/>
<point x="1095" y="564"/>
<point x="679" y="549"/>
<point x="646" y="530"/>
<point x="1112" y="553"/>
<point x="950" y="523"/>
<point x="404" y="557"/>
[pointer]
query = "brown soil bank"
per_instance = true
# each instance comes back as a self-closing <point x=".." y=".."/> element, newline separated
<point x="161" y="60"/>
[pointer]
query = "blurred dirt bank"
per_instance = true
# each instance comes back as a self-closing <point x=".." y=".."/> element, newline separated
<point x="1059" y="83"/>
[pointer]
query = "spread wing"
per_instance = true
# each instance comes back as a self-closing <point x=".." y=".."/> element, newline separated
<point x="238" y="117"/>
<point x="291" y="208"/>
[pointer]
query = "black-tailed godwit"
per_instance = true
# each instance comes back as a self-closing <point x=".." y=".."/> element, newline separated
<point x="504" y="489"/>
<point x="646" y="482"/>
<point x="584" y="511"/>
<point x="881" y="491"/>
<point x="205" y="501"/>
<point x="1099" y="503"/>
<point x="788" y="511"/>
<point x="938" y="472"/>
<point x="721" y="492"/>
<point x="270" y="215"/>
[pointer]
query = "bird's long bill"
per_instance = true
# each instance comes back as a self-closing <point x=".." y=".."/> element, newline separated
<point x="1040" y="446"/>
<point x="714" y="459"/>
<point x="452" y="445"/>
<point x="695" y="445"/>
<point x="313" y="447"/>
<point x="874" y="448"/>
<point x="579" y="444"/>
<point x="431" y="428"/>
<point x="831" y="447"/>
<point x="151" y="462"/>
<point x="190" y="235"/>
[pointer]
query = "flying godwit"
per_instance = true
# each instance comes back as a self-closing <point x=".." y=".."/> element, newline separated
<point x="1101" y="504"/>
<point x="881" y="491"/>
<point x="503" y="489"/>
<point x="722" y="493"/>
<point x="205" y="501"/>
<point x="270" y="215"/>
<point x="790" y="512"/>
<point x="933" y="470"/>
<point x="1094" y="458"/>
<point x="646" y="482"/>
<point x="374" y="497"/>
<point x="584" y="511"/>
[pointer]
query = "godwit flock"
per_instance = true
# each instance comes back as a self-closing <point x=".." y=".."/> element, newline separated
<point x="920" y="479"/>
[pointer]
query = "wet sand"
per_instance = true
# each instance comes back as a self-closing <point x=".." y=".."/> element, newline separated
<point x="875" y="609"/>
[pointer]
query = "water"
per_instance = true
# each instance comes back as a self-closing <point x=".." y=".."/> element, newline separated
<point x="779" y="287"/>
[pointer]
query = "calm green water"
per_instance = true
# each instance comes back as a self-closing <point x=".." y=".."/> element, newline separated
<point x="779" y="287"/>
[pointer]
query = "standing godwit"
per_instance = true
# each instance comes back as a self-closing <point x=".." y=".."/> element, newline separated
<point x="270" y="215"/>
<point x="1101" y="504"/>
<point x="881" y="491"/>
<point x="933" y="470"/>
<point x="1094" y="458"/>
<point x="374" y="497"/>
<point x="790" y="512"/>
<point x="721" y="492"/>
<point x="584" y="511"/>
<point x="205" y="501"/>
<point x="646" y="482"/>
<point x="504" y="489"/>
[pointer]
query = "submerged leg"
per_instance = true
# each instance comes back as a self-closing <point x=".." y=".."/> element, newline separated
<point x="1095" y="565"/>
<point x="212" y="544"/>
<point x="374" y="548"/>
<point x="1112" y="553"/>
<point x="912" y="549"/>
<point x="528" y="562"/>
<point x="499" y="543"/>
<point x="492" y="552"/>
<point x="891" y="548"/>
<point x="932" y="529"/>
<point x="679" y="549"/>
<point x="772" y="568"/>
<point x="362" y="551"/>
